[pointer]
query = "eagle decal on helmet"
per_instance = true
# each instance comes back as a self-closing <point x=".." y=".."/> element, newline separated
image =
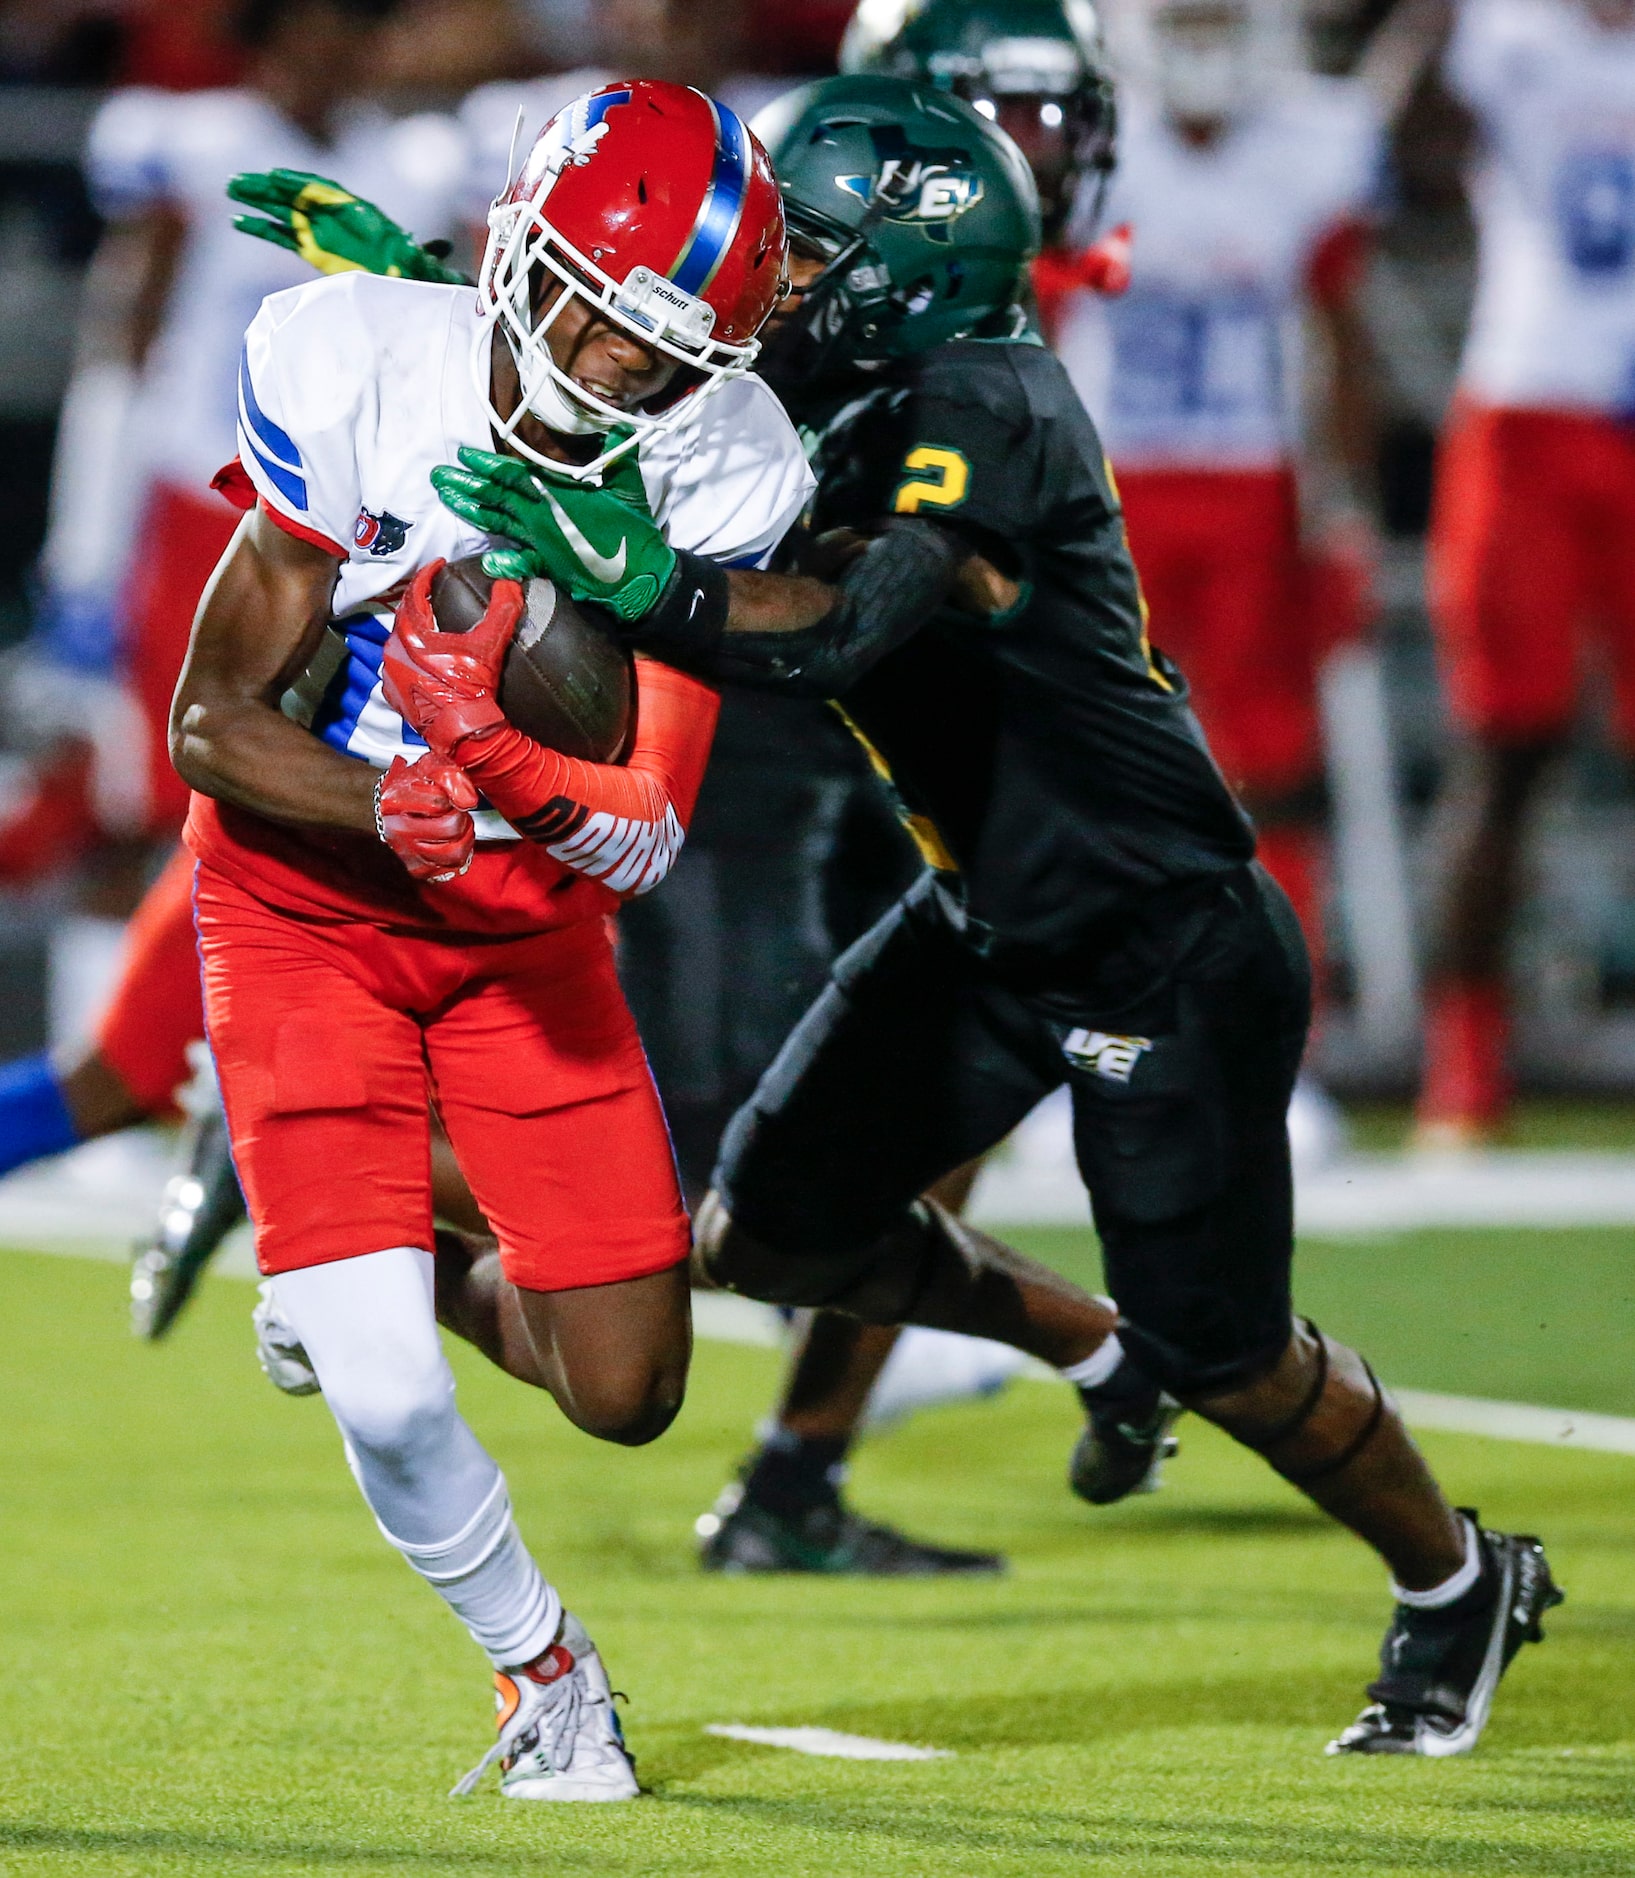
<point x="914" y="184"/>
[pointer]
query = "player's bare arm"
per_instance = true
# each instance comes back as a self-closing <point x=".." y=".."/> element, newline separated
<point x="262" y="618"/>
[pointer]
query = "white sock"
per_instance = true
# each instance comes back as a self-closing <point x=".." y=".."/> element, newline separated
<point x="1098" y="1366"/>
<point x="487" y="1578"/>
<point x="369" y="1329"/>
<point x="1451" y="1589"/>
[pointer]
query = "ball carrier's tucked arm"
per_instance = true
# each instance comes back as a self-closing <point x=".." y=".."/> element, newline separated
<point x="256" y="629"/>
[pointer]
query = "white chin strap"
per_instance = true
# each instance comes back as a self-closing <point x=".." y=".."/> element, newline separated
<point x="555" y="409"/>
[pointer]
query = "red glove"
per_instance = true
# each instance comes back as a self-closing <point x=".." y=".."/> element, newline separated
<point x="423" y="814"/>
<point x="447" y="684"/>
<point x="1104" y="268"/>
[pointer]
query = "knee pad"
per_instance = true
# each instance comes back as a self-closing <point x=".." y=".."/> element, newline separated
<point x="368" y="1329"/>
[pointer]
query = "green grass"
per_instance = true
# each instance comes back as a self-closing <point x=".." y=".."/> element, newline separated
<point x="1526" y="1316"/>
<point x="212" y="1664"/>
<point x="1597" y="1124"/>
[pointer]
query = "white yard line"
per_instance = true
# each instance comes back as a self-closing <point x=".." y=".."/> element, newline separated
<point x="1518" y="1421"/>
<point x="110" y="1189"/>
<point x="1368" y="1193"/>
<point x="828" y="1742"/>
<point x="1404" y="1193"/>
<point x="725" y="1319"/>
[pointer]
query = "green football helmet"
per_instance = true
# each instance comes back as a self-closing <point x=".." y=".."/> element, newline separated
<point x="923" y="212"/>
<point x="1035" y="67"/>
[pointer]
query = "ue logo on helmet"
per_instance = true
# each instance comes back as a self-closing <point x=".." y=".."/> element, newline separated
<point x="916" y="185"/>
<point x="1111" y="1058"/>
<point x="380" y="534"/>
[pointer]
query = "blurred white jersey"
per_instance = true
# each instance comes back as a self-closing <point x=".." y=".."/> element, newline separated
<point x="1199" y="364"/>
<point x="179" y="149"/>
<point x="1554" y="195"/>
<point x="353" y="389"/>
<point x="500" y="123"/>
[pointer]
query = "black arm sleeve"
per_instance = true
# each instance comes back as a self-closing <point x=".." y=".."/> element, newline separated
<point x="884" y="598"/>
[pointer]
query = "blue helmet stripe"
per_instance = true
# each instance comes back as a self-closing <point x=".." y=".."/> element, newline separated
<point x="723" y="205"/>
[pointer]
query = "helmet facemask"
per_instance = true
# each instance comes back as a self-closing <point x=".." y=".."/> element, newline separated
<point x="1067" y="132"/>
<point x="818" y="340"/>
<point x="524" y="256"/>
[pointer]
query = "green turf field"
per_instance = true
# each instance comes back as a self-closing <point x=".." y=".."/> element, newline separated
<point x="212" y="1664"/>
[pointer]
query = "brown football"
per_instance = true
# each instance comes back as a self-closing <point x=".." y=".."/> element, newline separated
<point x="567" y="682"/>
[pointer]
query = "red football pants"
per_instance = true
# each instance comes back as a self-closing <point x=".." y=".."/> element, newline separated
<point x="1533" y="563"/>
<point x="1218" y="555"/>
<point x="326" y="1034"/>
<point x="182" y="537"/>
<point x="157" y="1009"/>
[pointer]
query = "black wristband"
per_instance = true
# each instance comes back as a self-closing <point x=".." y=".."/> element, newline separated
<point x="689" y="618"/>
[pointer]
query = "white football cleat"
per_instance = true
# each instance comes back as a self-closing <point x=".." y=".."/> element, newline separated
<point x="559" y="1737"/>
<point x="278" y="1349"/>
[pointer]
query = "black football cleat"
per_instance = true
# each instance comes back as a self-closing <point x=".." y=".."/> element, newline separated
<point x="1439" y="1669"/>
<point x="200" y="1207"/>
<point x="742" y="1535"/>
<point x="1123" y="1449"/>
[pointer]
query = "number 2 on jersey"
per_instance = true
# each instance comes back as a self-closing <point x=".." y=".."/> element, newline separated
<point x="917" y="491"/>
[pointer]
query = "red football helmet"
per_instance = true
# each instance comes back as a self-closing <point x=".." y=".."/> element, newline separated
<point x="658" y="207"/>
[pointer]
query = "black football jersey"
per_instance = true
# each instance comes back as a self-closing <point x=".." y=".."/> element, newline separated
<point x="1047" y="760"/>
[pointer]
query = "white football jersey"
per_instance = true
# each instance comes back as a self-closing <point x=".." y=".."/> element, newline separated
<point x="353" y="389"/>
<point x="1198" y="365"/>
<point x="1554" y="195"/>
<point x="179" y="149"/>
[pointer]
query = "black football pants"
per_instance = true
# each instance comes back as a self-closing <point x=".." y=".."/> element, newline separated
<point x="1180" y="1047"/>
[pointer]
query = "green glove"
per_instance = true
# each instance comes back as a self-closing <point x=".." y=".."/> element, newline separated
<point x="332" y="229"/>
<point x="602" y="545"/>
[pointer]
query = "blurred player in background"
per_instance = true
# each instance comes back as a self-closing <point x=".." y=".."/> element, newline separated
<point x="149" y="418"/>
<point x="1532" y="553"/>
<point x="1244" y="455"/>
<point x="1037" y="69"/>
<point x="136" y="529"/>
